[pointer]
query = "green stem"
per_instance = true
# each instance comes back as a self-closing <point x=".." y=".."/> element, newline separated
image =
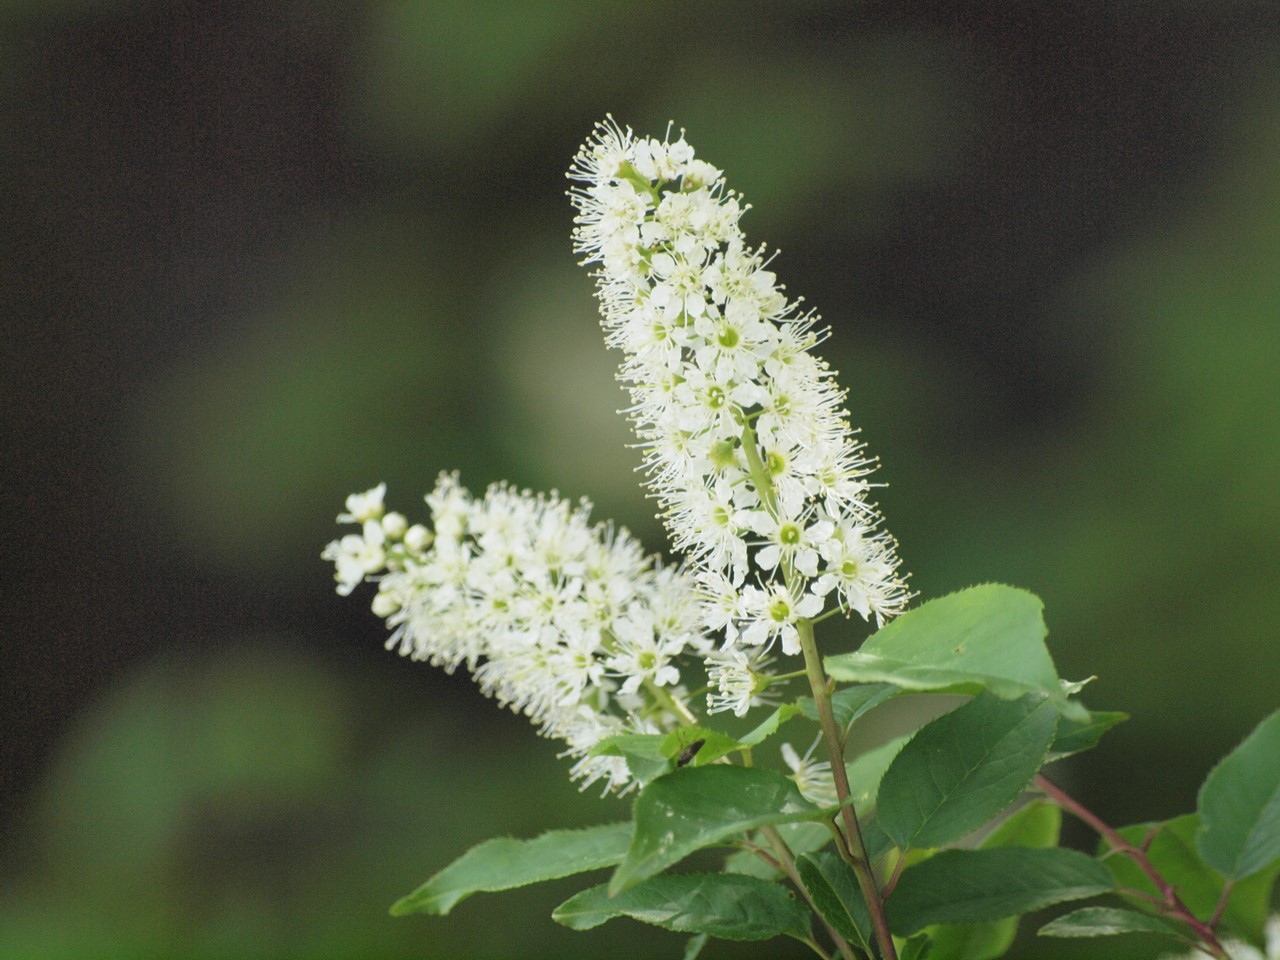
<point x="787" y="863"/>
<point x="856" y="848"/>
<point x="855" y="851"/>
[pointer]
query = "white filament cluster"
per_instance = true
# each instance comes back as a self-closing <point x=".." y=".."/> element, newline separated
<point x="566" y="622"/>
<point x="747" y="445"/>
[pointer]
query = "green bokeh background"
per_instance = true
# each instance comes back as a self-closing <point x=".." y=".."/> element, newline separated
<point x="257" y="255"/>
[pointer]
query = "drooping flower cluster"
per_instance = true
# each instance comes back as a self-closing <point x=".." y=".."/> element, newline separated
<point x="565" y="622"/>
<point x="747" y="446"/>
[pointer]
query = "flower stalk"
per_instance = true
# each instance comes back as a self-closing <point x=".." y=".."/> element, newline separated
<point x="855" y="848"/>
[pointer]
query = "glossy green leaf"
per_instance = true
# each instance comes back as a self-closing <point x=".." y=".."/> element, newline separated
<point x="695" y="807"/>
<point x="650" y="755"/>
<point x="1171" y="848"/>
<point x="987" y="637"/>
<point x="1076" y="735"/>
<point x="969" y="886"/>
<point x="1105" y="922"/>
<point x="1037" y="824"/>
<point x="771" y="724"/>
<point x="504" y="864"/>
<point x="835" y="892"/>
<point x="683" y="745"/>
<point x="850" y="703"/>
<point x="724" y="905"/>
<point x="1239" y="805"/>
<point x="642" y="751"/>
<point x="963" y="768"/>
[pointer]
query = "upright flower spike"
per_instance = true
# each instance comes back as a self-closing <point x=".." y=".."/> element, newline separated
<point x="747" y="446"/>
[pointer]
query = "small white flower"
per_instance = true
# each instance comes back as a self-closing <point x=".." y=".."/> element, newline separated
<point x="812" y="777"/>
<point x="738" y="679"/>
<point x="356" y="556"/>
<point x="771" y="613"/>
<point x="364" y="506"/>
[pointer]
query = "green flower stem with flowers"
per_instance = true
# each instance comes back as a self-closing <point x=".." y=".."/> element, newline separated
<point x="929" y="847"/>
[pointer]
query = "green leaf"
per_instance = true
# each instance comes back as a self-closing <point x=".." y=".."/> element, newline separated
<point x="850" y="703"/>
<point x="1076" y="735"/>
<point x="1105" y="922"/>
<point x="714" y="745"/>
<point x="771" y="725"/>
<point x="725" y="905"/>
<point x="1036" y="824"/>
<point x="1171" y="848"/>
<point x="987" y="637"/>
<point x="835" y="892"/>
<point x="695" y="807"/>
<point x="969" y="886"/>
<point x="650" y="755"/>
<point x="642" y="751"/>
<point x="504" y="864"/>
<point x="1239" y="805"/>
<point x="963" y="768"/>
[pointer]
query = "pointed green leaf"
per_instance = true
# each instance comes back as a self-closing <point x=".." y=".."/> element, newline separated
<point x="683" y="743"/>
<point x="770" y="726"/>
<point x="836" y="894"/>
<point x="969" y="886"/>
<point x="850" y="703"/>
<point x="963" y="768"/>
<point x="1239" y="805"/>
<point x="642" y="751"/>
<point x="1036" y="824"/>
<point x="1076" y="735"/>
<point x="1171" y="848"/>
<point x="1105" y="922"/>
<point x="695" y="807"/>
<point x="504" y="864"/>
<point x="987" y="637"/>
<point x="724" y="905"/>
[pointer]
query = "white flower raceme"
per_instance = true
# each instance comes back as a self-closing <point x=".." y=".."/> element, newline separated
<point x="747" y="445"/>
<point x="565" y="622"/>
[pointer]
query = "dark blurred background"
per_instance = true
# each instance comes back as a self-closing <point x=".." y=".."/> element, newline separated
<point x="257" y="255"/>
